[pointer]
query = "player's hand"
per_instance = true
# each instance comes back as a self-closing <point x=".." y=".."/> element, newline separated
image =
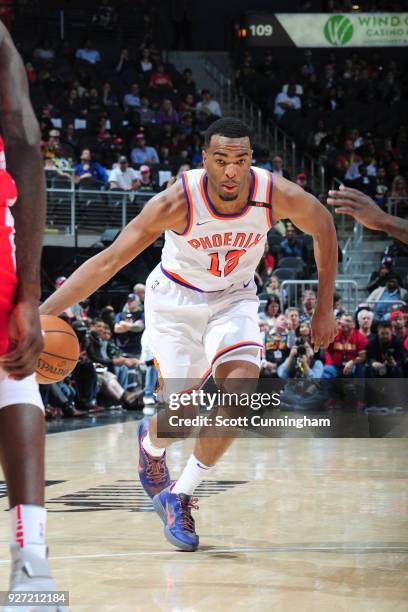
<point x="358" y="205"/>
<point x="26" y="341"/>
<point x="324" y="328"/>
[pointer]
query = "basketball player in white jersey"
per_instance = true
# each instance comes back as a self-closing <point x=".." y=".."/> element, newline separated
<point x="201" y="304"/>
<point x="22" y="429"/>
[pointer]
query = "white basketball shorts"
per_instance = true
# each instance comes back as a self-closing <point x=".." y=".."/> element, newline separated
<point x="192" y="332"/>
<point x="19" y="391"/>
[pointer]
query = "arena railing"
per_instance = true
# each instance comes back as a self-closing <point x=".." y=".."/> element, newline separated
<point x="348" y="290"/>
<point x="266" y="131"/>
<point x="71" y="211"/>
<point x="397" y="206"/>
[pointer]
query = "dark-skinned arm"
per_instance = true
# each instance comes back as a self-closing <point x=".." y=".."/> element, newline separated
<point x="363" y="209"/>
<point x="304" y="210"/>
<point x="167" y="210"/>
<point x="24" y="162"/>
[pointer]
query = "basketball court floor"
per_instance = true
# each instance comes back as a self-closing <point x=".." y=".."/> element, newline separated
<point x="285" y="524"/>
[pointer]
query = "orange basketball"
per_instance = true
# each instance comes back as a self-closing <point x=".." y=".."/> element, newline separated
<point x="61" y="350"/>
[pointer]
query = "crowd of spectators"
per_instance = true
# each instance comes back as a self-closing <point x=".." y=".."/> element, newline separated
<point x="347" y="111"/>
<point x="116" y="367"/>
<point x="95" y="109"/>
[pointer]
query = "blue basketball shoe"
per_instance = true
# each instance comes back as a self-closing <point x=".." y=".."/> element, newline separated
<point x="153" y="472"/>
<point x="174" y="510"/>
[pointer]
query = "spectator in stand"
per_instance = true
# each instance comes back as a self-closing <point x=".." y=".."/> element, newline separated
<point x="105" y="15"/>
<point x="301" y="362"/>
<point x="277" y="167"/>
<point x="167" y="114"/>
<point x="365" y="320"/>
<point x="399" y="324"/>
<point x="399" y="195"/>
<point x="309" y="301"/>
<point x="187" y="85"/>
<point x="273" y="287"/>
<point x="292" y="246"/>
<point x="381" y="187"/>
<point x="72" y="104"/>
<point x="276" y="348"/>
<point x="160" y="78"/>
<point x="346" y="356"/>
<point x="208" y="105"/>
<point x="293" y="83"/>
<point x="386" y="296"/>
<point x="354" y="171"/>
<point x="146" y="182"/>
<point x="188" y="104"/>
<point x="346" y="159"/>
<point x="129" y="326"/>
<point x="271" y="312"/>
<point x="44" y="51"/>
<point x="142" y="154"/>
<point x="293" y="317"/>
<point x="123" y="62"/>
<point x="88" y="54"/>
<point x="303" y="182"/>
<point x="88" y="169"/>
<point x="109" y="99"/>
<point x="122" y="177"/>
<point x="140" y="290"/>
<point x="385" y="353"/>
<point x="287" y="101"/>
<point x="101" y="351"/>
<point x="365" y="183"/>
<point x="265" y="267"/>
<point x="131" y="101"/>
<point x="145" y="63"/>
<point x="146" y="114"/>
<point x="379" y="277"/>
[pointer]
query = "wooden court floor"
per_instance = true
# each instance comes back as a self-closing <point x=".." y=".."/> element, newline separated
<point x="285" y="524"/>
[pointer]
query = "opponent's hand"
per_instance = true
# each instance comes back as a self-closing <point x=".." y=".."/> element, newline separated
<point x="324" y="328"/>
<point x="26" y="341"/>
<point x="358" y="205"/>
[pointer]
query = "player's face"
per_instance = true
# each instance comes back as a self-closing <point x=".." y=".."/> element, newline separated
<point x="227" y="161"/>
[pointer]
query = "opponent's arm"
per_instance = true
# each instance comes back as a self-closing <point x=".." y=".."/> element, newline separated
<point x="166" y="210"/>
<point x="24" y="162"/>
<point x="364" y="210"/>
<point x="291" y="202"/>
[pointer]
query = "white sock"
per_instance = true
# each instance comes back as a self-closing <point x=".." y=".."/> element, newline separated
<point x="192" y="475"/>
<point x="28" y="528"/>
<point x="150" y="448"/>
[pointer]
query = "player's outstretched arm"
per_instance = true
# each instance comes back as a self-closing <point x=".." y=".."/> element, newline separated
<point x="166" y="210"/>
<point x="364" y="210"/>
<point x="306" y="212"/>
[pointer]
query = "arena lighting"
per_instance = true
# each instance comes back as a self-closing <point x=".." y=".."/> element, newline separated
<point x="355" y="7"/>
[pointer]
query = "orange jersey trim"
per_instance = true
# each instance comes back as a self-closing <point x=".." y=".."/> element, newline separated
<point x="227" y="349"/>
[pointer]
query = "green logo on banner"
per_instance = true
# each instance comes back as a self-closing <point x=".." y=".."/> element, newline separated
<point x="338" y="30"/>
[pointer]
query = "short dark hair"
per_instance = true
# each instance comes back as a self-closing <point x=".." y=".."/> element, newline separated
<point x="228" y="127"/>
<point x="384" y="325"/>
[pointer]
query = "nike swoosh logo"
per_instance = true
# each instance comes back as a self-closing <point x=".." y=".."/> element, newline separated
<point x="204" y="222"/>
<point x="246" y="284"/>
<point x="170" y="516"/>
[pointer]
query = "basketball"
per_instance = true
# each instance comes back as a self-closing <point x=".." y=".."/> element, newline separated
<point x="61" y="351"/>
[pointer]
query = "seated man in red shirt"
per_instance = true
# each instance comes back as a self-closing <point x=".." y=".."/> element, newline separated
<point x="347" y="354"/>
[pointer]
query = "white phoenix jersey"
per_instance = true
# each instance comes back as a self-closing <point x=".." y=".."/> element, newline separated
<point x="217" y="250"/>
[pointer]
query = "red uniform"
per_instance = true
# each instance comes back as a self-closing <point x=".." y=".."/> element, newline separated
<point x="345" y="348"/>
<point x="8" y="276"/>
